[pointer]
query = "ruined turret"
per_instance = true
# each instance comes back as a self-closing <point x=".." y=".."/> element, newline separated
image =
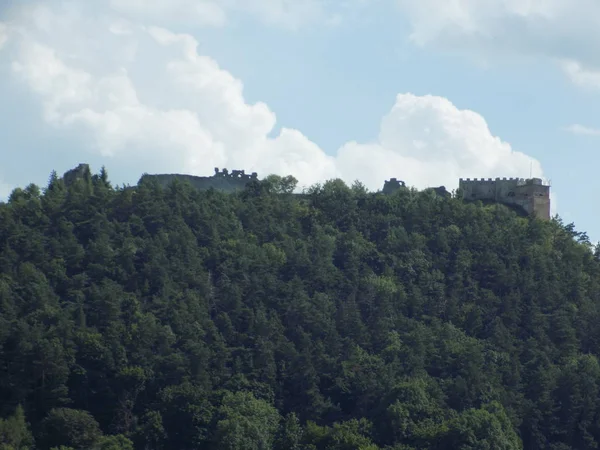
<point x="392" y="185"/>
<point x="82" y="171"/>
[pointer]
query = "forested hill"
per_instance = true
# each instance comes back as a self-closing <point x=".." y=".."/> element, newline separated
<point x="151" y="318"/>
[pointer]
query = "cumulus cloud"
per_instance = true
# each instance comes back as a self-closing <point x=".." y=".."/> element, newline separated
<point x="428" y="141"/>
<point x="145" y="95"/>
<point x="566" y="31"/>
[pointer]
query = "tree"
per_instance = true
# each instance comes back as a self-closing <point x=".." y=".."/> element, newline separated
<point x="245" y="423"/>
<point x="181" y="318"/>
<point x="290" y="433"/>
<point x="485" y="428"/>
<point x="281" y="185"/>
<point x="15" y="433"/>
<point x="70" y="427"/>
<point x="115" y="442"/>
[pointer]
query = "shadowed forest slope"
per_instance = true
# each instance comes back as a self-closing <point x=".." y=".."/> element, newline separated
<point x="168" y="318"/>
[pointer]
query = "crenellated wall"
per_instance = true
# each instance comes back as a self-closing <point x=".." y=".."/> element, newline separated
<point x="532" y="195"/>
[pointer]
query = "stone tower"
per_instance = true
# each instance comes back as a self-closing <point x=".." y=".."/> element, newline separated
<point x="392" y="185"/>
<point x="532" y="195"/>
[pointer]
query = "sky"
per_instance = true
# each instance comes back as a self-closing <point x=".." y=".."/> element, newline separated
<point x="426" y="91"/>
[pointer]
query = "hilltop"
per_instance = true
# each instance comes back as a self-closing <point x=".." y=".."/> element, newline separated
<point x="168" y="317"/>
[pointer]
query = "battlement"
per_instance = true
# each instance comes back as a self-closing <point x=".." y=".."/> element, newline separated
<point x="488" y="180"/>
<point x="531" y="195"/>
<point x="518" y="181"/>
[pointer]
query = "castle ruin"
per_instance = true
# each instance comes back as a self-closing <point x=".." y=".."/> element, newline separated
<point x="82" y="171"/>
<point x="392" y="185"/>
<point x="531" y="195"/>
<point x="221" y="180"/>
<point x="237" y="174"/>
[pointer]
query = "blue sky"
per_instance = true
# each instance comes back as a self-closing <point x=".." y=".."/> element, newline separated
<point x="426" y="91"/>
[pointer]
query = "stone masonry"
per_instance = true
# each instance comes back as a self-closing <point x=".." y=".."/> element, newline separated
<point x="531" y="195"/>
<point x="222" y="180"/>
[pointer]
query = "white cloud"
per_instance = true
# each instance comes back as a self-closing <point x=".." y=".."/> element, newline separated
<point x="562" y="30"/>
<point x="59" y="85"/>
<point x="166" y="106"/>
<point x="580" y="75"/>
<point x="582" y="130"/>
<point x="428" y="141"/>
<point x="145" y="95"/>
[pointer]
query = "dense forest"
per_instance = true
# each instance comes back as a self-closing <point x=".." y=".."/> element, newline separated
<point x="171" y="318"/>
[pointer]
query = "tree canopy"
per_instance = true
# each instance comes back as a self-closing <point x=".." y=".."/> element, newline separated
<point x="171" y="318"/>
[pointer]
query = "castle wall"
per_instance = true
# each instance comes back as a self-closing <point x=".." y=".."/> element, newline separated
<point x="222" y="181"/>
<point x="539" y="199"/>
<point x="392" y="185"/>
<point x="530" y="195"/>
<point x="541" y="207"/>
<point x="488" y="188"/>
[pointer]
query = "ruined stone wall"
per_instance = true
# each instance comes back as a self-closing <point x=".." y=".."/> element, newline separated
<point x="530" y="195"/>
<point x="222" y="181"/>
<point x="82" y="171"/>
<point x="392" y="185"/>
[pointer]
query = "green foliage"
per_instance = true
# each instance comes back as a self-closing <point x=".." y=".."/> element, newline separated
<point x="484" y="428"/>
<point x="349" y="435"/>
<point x="117" y="442"/>
<point x="168" y="318"/>
<point x="245" y="423"/>
<point x="290" y="433"/>
<point x="15" y="433"/>
<point x="281" y="185"/>
<point x="70" y="427"/>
